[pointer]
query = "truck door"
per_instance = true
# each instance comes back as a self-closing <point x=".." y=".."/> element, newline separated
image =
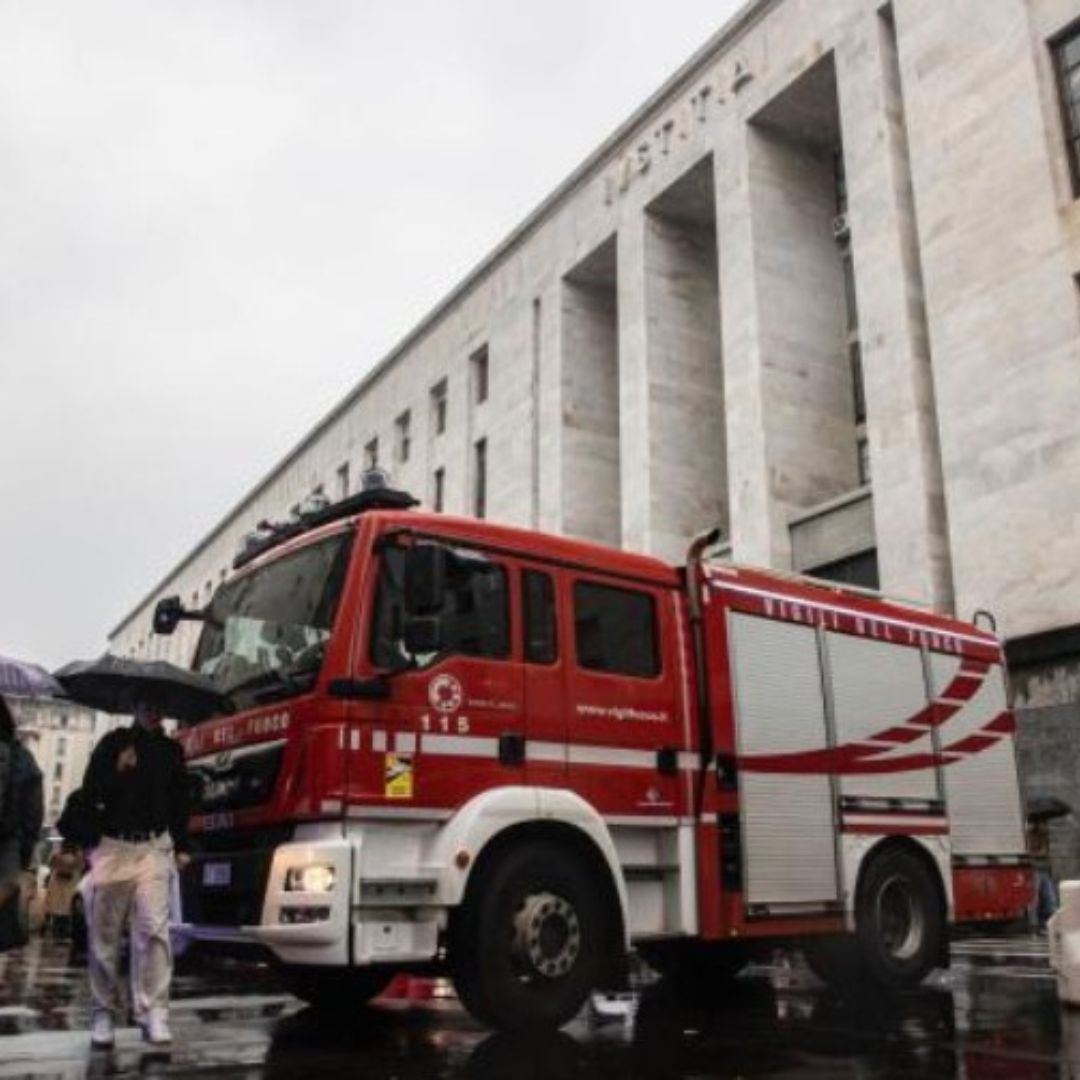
<point x="452" y="725"/>
<point x="628" y="729"/>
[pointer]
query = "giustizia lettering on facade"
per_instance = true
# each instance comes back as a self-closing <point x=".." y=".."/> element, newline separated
<point x="677" y="125"/>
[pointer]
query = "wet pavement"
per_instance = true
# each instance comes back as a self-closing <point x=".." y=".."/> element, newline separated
<point x="993" y="1015"/>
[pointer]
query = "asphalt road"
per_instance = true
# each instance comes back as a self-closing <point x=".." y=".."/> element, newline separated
<point x="994" y="1014"/>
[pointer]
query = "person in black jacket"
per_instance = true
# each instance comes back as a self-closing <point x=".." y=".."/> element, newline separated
<point x="9" y="837"/>
<point x="136" y="787"/>
<point x="21" y="806"/>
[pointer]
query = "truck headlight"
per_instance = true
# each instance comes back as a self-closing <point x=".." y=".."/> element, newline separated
<point x="311" y="879"/>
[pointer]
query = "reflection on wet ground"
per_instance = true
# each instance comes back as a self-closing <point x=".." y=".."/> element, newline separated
<point x="980" y="1021"/>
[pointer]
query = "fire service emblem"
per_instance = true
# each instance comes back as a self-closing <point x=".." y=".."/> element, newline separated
<point x="445" y="693"/>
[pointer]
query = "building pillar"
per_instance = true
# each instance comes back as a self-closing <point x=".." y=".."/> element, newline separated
<point x="901" y="418"/>
<point x="635" y="472"/>
<point x="753" y="521"/>
<point x="547" y="431"/>
<point x="670" y="366"/>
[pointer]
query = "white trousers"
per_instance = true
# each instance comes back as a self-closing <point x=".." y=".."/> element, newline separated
<point x="131" y="880"/>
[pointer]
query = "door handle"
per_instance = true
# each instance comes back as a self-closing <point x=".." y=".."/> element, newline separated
<point x="512" y="748"/>
<point x="667" y="761"/>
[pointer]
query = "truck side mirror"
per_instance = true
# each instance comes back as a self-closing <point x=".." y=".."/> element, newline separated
<point x="167" y="614"/>
<point x="425" y="579"/>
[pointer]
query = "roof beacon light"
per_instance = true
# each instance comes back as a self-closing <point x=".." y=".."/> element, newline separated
<point x="313" y="503"/>
<point x="374" y="479"/>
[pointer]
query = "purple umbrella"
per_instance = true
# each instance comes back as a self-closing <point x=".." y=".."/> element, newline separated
<point x="26" y="680"/>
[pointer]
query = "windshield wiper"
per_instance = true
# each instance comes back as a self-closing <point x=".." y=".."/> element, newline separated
<point x="273" y="682"/>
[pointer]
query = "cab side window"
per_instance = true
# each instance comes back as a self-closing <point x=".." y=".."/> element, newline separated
<point x="541" y="633"/>
<point x="615" y="630"/>
<point x="475" y="607"/>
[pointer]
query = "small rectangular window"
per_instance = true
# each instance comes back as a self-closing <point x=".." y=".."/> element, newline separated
<point x="479" y="365"/>
<point x="371" y="454"/>
<point x="541" y="632"/>
<point x="439" y="494"/>
<point x="863" y="449"/>
<point x="860" y="570"/>
<point x="480" y="479"/>
<point x="401" y="426"/>
<point x="343" y="480"/>
<point x="1066" y="52"/>
<point x="858" y="385"/>
<point x="58" y="771"/>
<point x="438" y="407"/>
<point x="615" y="630"/>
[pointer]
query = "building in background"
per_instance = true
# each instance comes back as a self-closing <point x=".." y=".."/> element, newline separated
<point x="820" y="289"/>
<point x="60" y="735"/>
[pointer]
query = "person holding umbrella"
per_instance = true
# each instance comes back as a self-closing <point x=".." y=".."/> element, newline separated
<point x="136" y="788"/>
<point x="135" y="798"/>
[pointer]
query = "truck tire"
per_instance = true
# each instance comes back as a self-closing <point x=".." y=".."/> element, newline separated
<point x="899" y="928"/>
<point x="526" y="946"/>
<point x="899" y="920"/>
<point x="335" y="991"/>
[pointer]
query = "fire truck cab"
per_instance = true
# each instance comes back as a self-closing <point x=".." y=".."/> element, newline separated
<point x="464" y="747"/>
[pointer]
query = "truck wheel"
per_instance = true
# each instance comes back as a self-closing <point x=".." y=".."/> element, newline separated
<point x="526" y="945"/>
<point x="335" y="991"/>
<point x="899" y="928"/>
<point x="899" y="920"/>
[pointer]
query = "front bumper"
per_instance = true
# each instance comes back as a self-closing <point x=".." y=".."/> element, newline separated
<point x="361" y="920"/>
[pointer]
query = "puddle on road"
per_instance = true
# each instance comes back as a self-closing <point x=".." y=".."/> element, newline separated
<point x="970" y="1022"/>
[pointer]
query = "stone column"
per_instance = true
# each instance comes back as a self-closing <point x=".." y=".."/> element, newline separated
<point x="752" y="523"/>
<point x="672" y="448"/>
<point x="905" y="460"/>
<point x="791" y="439"/>
<point x="635" y="473"/>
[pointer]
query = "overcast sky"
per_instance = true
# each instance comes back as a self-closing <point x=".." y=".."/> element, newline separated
<point x="215" y="215"/>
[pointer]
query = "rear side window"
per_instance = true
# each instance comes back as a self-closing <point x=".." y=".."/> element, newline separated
<point x="541" y="636"/>
<point x="615" y="630"/>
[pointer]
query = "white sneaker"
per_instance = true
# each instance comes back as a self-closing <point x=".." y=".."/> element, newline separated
<point x="155" y="1029"/>
<point x="101" y="1031"/>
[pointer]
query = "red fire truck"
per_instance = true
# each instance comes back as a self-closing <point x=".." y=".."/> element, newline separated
<point x="457" y="746"/>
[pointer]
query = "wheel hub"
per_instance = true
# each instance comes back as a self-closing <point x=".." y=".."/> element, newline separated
<point x="900" y="918"/>
<point x="547" y="935"/>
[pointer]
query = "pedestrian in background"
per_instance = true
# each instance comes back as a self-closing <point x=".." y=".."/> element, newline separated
<point x="136" y="788"/>
<point x="10" y="867"/>
<point x="1046" y="897"/>
<point x="21" y="815"/>
<point x="65" y="869"/>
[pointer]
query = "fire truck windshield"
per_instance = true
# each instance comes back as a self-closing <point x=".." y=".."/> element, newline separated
<point x="266" y="634"/>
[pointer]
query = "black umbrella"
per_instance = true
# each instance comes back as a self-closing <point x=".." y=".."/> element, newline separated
<point x="114" y="684"/>
<point x="1046" y="808"/>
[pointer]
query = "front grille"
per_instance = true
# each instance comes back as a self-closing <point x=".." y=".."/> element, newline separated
<point x="235" y="779"/>
<point x="249" y="853"/>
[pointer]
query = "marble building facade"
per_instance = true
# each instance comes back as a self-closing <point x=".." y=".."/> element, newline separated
<point x="820" y="289"/>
